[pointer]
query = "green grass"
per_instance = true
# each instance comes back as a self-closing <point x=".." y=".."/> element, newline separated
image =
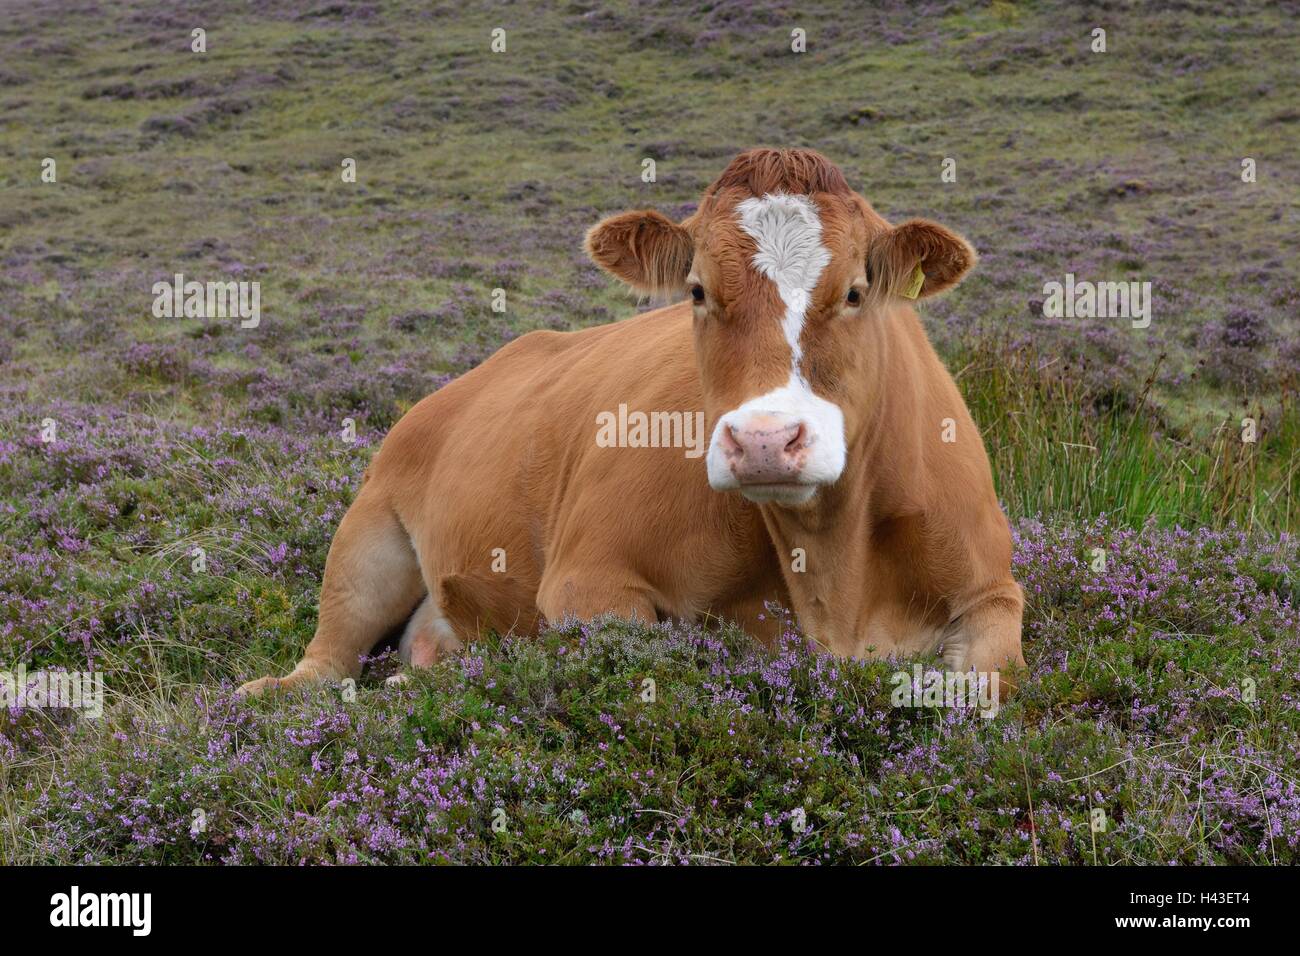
<point x="1059" y="447"/>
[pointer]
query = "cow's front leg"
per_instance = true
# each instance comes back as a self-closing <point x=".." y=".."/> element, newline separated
<point x="587" y="592"/>
<point x="985" y="637"/>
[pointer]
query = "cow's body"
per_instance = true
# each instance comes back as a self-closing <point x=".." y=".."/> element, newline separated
<point x="506" y="458"/>
<point x="491" y="504"/>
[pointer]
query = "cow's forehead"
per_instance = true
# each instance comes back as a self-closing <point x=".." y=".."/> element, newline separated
<point x="787" y="235"/>
<point x="788" y="238"/>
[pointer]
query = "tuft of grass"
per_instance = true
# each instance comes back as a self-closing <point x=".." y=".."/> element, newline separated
<point x="1061" y="448"/>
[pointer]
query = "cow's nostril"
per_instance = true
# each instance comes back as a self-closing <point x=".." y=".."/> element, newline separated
<point x="798" y="441"/>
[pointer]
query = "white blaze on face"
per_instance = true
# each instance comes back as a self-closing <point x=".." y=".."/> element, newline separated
<point x="787" y="231"/>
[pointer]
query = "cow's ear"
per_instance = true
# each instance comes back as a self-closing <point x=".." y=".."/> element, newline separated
<point x="916" y="259"/>
<point x="648" y="251"/>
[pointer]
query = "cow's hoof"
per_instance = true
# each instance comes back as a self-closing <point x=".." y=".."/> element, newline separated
<point x="256" y="688"/>
<point x="305" y="673"/>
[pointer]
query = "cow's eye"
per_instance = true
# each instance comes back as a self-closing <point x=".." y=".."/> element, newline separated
<point x="697" y="294"/>
<point x="854" y="297"/>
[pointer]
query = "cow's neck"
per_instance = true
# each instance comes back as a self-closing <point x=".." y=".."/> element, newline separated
<point x="831" y="536"/>
<point x="824" y="553"/>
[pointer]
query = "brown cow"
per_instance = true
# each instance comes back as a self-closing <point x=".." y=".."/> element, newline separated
<point x="844" y="477"/>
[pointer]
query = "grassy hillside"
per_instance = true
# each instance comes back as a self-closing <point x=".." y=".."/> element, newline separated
<point x="1164" y="687"/>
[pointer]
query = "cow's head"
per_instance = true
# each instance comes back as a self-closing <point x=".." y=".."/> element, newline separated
<point x="792" y="276"/>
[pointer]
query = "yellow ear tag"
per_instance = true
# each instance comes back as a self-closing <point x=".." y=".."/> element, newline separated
<point x="914" y="287"/>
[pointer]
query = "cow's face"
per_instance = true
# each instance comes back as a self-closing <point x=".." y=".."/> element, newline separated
<point x="789" y="291"/>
